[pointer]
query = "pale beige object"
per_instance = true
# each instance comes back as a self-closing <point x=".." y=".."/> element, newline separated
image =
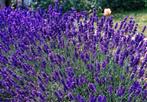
<point x="107" y="12"/>
<point x="145" y="39"/>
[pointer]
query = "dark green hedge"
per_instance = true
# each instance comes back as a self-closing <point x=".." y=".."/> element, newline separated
<point x="124" y="4"/>
<point x="66" y="5"/>
<point x="90" y="4"/>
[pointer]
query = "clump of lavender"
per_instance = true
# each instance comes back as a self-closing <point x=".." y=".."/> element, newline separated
<point x="50" y="56"/>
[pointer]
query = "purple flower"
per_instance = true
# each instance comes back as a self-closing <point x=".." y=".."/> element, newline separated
<point x="141" y="73"/>
<point x="144" y="94"/>
<point x="110" y="89"/>
<point x="59" y="95"/>
<point x="64" y="85"/>
<point x="135" y="61"/>
<point x="42" y="87"/>
<point x="135" y="88"/>
<point x="116" y="57"/>
<point x="97" y="79"/>
<point x="85" y="57"/>
<point x="80" y="98"/>
<point x="92" y="87"/>
<point x="144" y="86"/>
<point x="70" y="83"/>
<point x="90" y="67"/>
<point x="3" y="59"/>
<point x="103" y="48"/>
<point x="103" y="80"/>
<point x="134" y="69"/>
<point x="101" y="98"/>
<point x="81" y="80"/>
<point x="132" y="76"/>
<point x="70" y="71"/>
<point x="130" y="98"/>
<point x="144" y="28"/>
<point x="120" y="91"/>
<point x="104" y="64"/>
<point x="70" y="96"/>
<point x="97" y="67"/>
<point x="43" y="64"/>
<point x="56" y="75"/>
<point x="138" y="38"/>
<point x="92" y="98"/>
<point x="116" y="25"/>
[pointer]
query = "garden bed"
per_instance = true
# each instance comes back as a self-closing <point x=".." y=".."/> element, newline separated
<point x="48" y="56"/>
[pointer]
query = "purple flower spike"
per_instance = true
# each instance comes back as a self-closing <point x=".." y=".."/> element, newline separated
<point x="116" y="25"/>
<point x="43" y="64"/>
<point x="144" y="94"/>
<point x="120" y="91"/>
<point x="56" y="75"/>
<point x="70" y="96"/>
<point x="90" y="67"/>
<point x="144" y="28"/>
<point x="80" y="98"/>
<point x="92" y="98"/>
<point x="104" y="64"/>
<point x="59" y="95"/>
<point x="141" y="73"/>
<point x="70" y="71"/>
<point x="135" y="88"/>
<point x="130" y="98"/>
<point x="82" y="80"/>
<point x="101" y="98"/>
<point x="110" y="89"/>
<point x="92" y="87"/>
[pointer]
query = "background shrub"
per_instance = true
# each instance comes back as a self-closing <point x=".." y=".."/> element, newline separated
<point x="124" y="4"/>
<point x="79" y="5"/>
<point x="88" y="5"/>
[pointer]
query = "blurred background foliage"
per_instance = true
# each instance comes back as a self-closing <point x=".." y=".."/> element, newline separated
<point x="80" y="5"/>
<point x="125" y="4"/>
<point x="88" y="5"/>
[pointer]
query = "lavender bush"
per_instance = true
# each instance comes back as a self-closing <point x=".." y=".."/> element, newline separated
<point x="47" y="56"/>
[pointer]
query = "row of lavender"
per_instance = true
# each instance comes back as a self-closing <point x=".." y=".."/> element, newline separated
<point x="47" y="56"/>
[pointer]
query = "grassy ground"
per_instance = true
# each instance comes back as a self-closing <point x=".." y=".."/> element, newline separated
<point x="140" y="17"/>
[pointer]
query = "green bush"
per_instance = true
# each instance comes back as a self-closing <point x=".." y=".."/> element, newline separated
<point x="88" y="5"/>
<point x="124" y="4"/>
<point x="145" y="3"/>
<point x="79" y="5"/>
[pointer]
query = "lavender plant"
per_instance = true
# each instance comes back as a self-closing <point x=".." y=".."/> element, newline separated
<point x="47" y="56"/>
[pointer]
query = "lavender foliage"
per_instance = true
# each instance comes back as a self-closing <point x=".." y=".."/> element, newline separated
<point x="48" y="56"/>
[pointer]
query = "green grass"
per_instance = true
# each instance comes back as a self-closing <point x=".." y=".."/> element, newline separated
<point x="140" y="17"/>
